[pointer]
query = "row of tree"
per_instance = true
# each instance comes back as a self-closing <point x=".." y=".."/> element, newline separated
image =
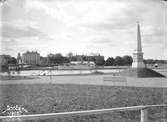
<point x="119" y="61"/>
<point x="152" y="61"/>
<point x="58" y="58"/>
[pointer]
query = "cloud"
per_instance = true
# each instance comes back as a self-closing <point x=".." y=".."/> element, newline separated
<point x="20" y="36"/>
<point x="157" y="31"/>
<point x="13" y="9"/>
<point x="83" y="25"/>
<point x="42" y="6"/>
<point x="53" y="0"/>
<point x="154" y="35"/>
<point x="129" y="13"/>
<point x="11" y="31"/>
<point x="102" y="41"/>
<point x="8" y="45"/>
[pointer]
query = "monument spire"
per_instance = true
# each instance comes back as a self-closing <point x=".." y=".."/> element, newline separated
<point x="139" y="46"/>
<point x="138" y="54"/>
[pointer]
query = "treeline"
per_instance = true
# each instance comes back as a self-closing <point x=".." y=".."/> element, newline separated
<point x="5" y="60"/>
<point x="58" y="58"/>
<point x="55" y="59"/>
<point x="119" y="61"/>
<point x="152" y="61"/>
<point x="127" y="61"/>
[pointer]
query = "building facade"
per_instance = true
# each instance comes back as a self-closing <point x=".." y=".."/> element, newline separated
<point x="32" y="58"/>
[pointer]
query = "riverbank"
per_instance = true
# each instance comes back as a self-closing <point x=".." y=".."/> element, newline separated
<point x="3" y="78"/>
<point x="74" y="68"/>
<point x="59" y="72"/>
<point x="112" y="72"/>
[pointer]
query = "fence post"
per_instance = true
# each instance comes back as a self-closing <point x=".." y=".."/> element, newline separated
<point x="144" y="116"/>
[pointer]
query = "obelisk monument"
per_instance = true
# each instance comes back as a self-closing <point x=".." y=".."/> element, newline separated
<point x="138" y="68"/>
<point x="138" y="54"/>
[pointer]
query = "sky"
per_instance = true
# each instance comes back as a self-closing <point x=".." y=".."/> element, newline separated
<point x="107" y="27"/>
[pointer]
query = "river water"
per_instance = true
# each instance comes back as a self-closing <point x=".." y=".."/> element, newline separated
<point x="59" y="72"/>
<point x="67" y="72"/>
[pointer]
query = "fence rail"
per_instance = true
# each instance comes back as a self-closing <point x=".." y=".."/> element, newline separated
<point x="142" y="108"/>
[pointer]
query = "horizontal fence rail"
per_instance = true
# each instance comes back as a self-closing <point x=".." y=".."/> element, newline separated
<point x="142" y="108"/>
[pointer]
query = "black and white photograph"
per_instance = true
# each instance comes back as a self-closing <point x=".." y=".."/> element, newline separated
<point x="83" y="60"/>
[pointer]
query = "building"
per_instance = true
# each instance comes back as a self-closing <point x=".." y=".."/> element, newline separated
<point x="32" y="58"/>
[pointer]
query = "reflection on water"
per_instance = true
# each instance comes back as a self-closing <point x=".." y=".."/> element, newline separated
<point x="60" y="72"/>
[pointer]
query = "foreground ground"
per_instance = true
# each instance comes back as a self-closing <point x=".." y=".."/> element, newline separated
<point x="45" y="94"/>
<point x="44" y="98"/>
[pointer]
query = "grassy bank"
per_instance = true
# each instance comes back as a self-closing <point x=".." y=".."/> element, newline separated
<point x="47" y="98"/>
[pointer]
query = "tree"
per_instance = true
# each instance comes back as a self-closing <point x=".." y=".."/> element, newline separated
<point x="69" y="55"/>
<point x="118" y="61"/>
<point x="5" y="60"/>
<point x="127" y="60"/>
<point x="43" y="61"/>
<point x="110" y="61"/>
<point x="50" y="59"/>
<point x="12" y="60"/>
<point x="73" y="58"/>
<point x="57" y="58"/>
<point x="99" y="60"/>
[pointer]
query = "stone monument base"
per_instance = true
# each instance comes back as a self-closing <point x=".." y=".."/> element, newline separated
<point x="138" y="65"/>
<point x="140" y="72"/>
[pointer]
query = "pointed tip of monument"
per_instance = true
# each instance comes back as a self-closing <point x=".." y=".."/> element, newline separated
<point x="138" y="22"/>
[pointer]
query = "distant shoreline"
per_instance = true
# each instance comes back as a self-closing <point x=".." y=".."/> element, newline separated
<point x="66" y="68"/>
<point x="24" y="74"/>
<point x="17" y="77"/>
<point x="21" y="77"/>
<point x="78" y="68"/>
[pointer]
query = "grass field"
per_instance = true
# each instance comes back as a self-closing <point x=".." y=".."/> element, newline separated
<point x="45" y="98"/>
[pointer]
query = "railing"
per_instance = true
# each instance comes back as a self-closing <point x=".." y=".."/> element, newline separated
<point x="143" y="110"/>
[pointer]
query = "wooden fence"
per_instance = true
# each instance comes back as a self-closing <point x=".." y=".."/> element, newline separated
<point x="143" y="110"/>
